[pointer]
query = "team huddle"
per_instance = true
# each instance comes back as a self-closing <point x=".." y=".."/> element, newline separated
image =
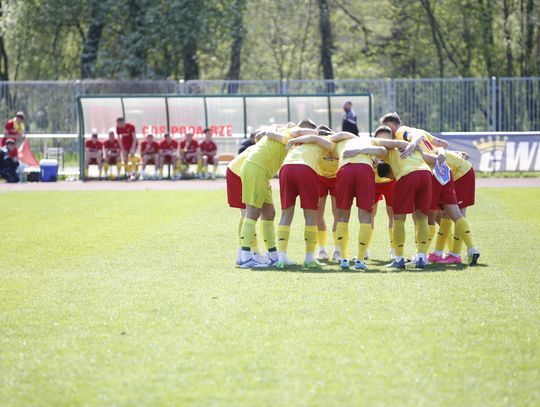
<point x="121" y="152"/>
<point x="315" y="162"/>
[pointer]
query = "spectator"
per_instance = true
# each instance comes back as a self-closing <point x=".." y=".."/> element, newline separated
<point x="209" y="155"/>
<point x="111" y="147"/>
<point x="8" y="162"/>
<point x="128" y="145"/>
<point x="349" y="119"/>
<point x="190" y="153"/>
<point x="168" y="154"/>
<point x="93" y="153"/>
<point x="14" y="129"/>
<point x="149" y="154"/>
<point x="246" y="143"/>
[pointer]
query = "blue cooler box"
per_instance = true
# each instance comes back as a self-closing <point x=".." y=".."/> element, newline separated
<point x="49" y="170"/>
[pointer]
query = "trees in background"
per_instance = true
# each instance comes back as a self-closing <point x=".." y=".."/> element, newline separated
<point x="267" y="39"/>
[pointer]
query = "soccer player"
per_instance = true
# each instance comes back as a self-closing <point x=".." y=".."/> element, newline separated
<point x="209" y="155"/>
<point x="93" y="153"/>
<point x="355" y="179"/>
<point x="442" y="195"/>
<point x="298" y="177"/>
<point x="262" y="163"/>
<point x="454" y="212"/>
<point x="190" y="153"/>
<point x="8" y="162"/>
<point x="412" y="193"/>
<point x="111" y="148"/>
<point x="128" y="144"/>
<point x="14" y="129"/>
<point x="149" y="154"/>
<point x="384" y="187"/>
<point x="168" y="154"/>
<point x="327" y="172"/>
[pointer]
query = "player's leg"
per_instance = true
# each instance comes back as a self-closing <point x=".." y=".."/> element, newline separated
<point x="365" y="199"/>
<point x="106" y="166"/>
<point x="99" y="160"/>
<point x="204" y="167"/>
<point x="390" y="215"/>
<point x="321" y="229"/>
<point x="462" y="229"/>
<point x="199" y="160"/>
<point x="308" y="188"/>
<point x="283" y="235"/>
<point x="87" y="160"/>
<point x="364" y="237"/>
<point x="310" y="237"/>
<point x="268" y="214"/>
<point x="336" y="255"/>
<point x="125" y="159"/>
<point x="442" y="233"/>
<point x="342" y="233"/>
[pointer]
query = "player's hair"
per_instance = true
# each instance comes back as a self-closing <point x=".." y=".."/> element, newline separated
<point x="390" y="118"/>
<point x="20" y="115"/>
<point x="382" y="129"/>
<point x="307" y="124"/>
<point x="120" y="119"/>
<point x="383" y="169"/>
<point x="205" y="130"/>
<point x="324" y="130"/>
<point x="10" y="141"/>
<point x="189" y="134"/>
<point x="166" y="135"/>
<point x="259" y="135"/>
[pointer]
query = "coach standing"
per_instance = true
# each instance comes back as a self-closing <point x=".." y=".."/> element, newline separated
<point x="349" y="119"/>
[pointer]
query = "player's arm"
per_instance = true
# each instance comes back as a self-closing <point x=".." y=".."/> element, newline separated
<point x="133" y="142"/>
<point x="389" y="144"/>
<point x="438" y="142"/>
<point x="340" y="136"/>
<point x="462" y="154"/>
<point x="413" y="137"/>
<point x="303" y="132"/>
<point x="312" y="139"/>
<point x="377" y="151"/>
<point x="430" y="159"/>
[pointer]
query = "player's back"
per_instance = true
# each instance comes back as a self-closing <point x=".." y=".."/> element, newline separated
<point x="403" y="166"/>
<point x="307" y="154"/>
<point x="458" y="165"/>
<point x="353" y="144"/>
<point x="268" y="154"/>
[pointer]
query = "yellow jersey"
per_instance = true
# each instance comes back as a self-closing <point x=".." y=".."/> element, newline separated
<point x="328" y="165"/>
<point x="307" y="154"/>
<point x="236" y="164"/>
<point x="402" y="167"/>
<point x="404" y="133"/>
<point x="268" y="154"/>
<point x="354" y="144"/>
<point x="458" y="165"/>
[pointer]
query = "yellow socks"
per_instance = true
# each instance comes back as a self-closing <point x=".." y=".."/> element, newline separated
<point x="363" y="239"/>
<point x="463" y="230"/>
<point x="457" y="243"/>
<point x="391" y="237"/>
<point x="399" y="237"/>
<point x="321" y="238"/>
<point x="106" y="168"/>
<point x="269" y="234"/>
<point x="255" y="244"/>
<point x="423" y="235"/>
<point x="432" y="230"/>
<point x="334" y="240"/>
<point x="240" y="223"/>
<point x="342" y="234"/>
<point x="310" y="236"/>
<point x="283" y="234"/>
<point x="247" y="234"/>
<point x="199" y="165"/>
<point x="445" y="229"/>
<point x="450" y="240"/>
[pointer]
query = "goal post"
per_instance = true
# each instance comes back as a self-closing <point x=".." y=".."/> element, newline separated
<point x="225" y="115"/>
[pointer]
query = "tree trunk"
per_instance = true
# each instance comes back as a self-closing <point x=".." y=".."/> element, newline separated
<point x="508" y="38"/>
<point x="327" y="48"/>
<point x="191" y="64"/>
<point x="3" y="54"/>
<point x="433" y="25"/>
<point x="528" y="69"/>
<point x="237" y="41"/>
<point x="91" y="42"/>
<point x="488" y="44"/>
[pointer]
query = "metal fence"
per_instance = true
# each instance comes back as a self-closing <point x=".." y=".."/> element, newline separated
<point x="440" y="104"/>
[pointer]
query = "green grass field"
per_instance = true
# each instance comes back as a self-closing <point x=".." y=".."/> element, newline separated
<point x="132" y="298"/>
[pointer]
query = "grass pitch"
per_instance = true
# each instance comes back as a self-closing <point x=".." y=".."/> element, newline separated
<point x="132" y="298"/>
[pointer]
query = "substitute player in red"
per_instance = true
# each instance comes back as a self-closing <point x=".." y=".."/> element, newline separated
<point x="14" y="130"/>
<point x="149" y="154"/>
<point x="111" y="149"/>
<point x="208" y="155"/>
<point x="128" y="144"/>
<point x="93" y="153"/>
<point x="190" y="153"/>
<point x="168" y="154"/>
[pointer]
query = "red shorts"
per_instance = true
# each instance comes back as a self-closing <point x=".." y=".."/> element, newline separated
<point x="112" y="160"/>
<point x="326" y="186"/>
<point x="385" y="189"/>
<point x="355" y="181"/>
<point x="211" y="159"/>
<point x="298" y="180"/>
<point x="167" y="158"/>
<point x="150" y="159"/>
<point x="465" y="188"/>
<point x="190" y="160"/>
<point x="442" y="194"/>
<point x="126" y="144"/>
<point x="413" y="192"/>
<point x="13" y="153"/>
<point x="234" y="190"/>
<point x="92" y="161"/>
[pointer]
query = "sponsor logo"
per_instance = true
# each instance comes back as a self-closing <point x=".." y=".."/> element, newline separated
<point x="502" y="153"/>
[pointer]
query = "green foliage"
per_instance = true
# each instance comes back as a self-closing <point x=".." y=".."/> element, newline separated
<point x="131" y="298"/>
<point x="159" y="39"/>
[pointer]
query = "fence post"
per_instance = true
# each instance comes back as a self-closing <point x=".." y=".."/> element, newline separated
<point x="494" y="103"/>
<point x="389" y="95"/>
<point x="180" y="86"/>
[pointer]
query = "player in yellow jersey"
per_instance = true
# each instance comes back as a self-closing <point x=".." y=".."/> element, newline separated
<point x="443" y="196"/>
<point x="298" y="177"/>
<point x="327" y="172"/>
<point x="355" y="179"/>
<point x="262" y="163"/>
<point x="412" y="194"/>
